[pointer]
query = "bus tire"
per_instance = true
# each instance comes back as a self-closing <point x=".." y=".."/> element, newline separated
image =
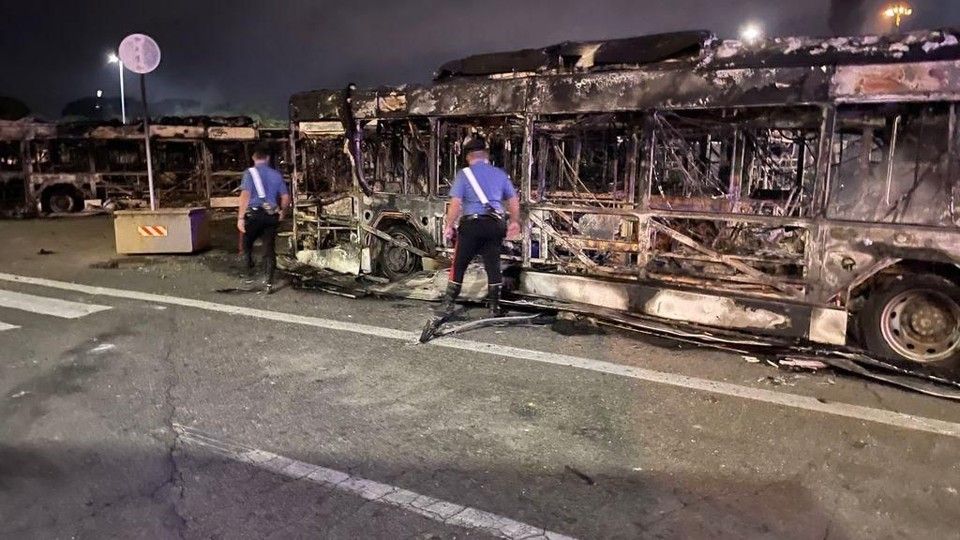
<point x="914" y="319"/>
<point x="61" y="199"/>
<point x="394" y="262"/>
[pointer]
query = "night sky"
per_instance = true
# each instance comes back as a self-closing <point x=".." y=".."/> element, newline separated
<point x="254" y="54"/>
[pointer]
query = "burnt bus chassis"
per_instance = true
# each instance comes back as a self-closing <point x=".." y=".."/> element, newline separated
<point x="835" y="267"/>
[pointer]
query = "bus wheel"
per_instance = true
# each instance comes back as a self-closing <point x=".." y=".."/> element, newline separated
<point x="61" y="200"/>
<point x="916" y="319"/>
<point x="395" y="262"/>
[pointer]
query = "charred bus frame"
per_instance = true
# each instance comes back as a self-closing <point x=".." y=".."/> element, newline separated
<point x="779" y="187"/>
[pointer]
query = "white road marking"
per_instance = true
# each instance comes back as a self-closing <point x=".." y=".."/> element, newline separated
<point x="5" y="326"/>
<point x="439" y="510"/>
<point x="47" y="306"/>
<point x="858" y="412"/>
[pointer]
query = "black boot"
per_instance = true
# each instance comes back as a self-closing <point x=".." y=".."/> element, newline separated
<point x="450" y="299"/>
<point x="493" y="300"/>
<point x="443" y="314"/>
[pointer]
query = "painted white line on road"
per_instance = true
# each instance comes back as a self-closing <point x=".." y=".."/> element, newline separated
<point x="47" y="306"/>
<point x="858" y="412"/>
<point x="5" y="326"/>
<point x="439" y="510"/>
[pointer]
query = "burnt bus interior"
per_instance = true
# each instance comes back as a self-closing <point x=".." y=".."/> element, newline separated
<point x="806" y="172"/>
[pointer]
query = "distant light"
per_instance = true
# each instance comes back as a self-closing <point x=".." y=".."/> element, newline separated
<point x="897" y="12"/>
<point x="751" y="33"/>
<point x="99" y="93"/>
<point x="902" y="10"/>
<point x="112" y="58"/>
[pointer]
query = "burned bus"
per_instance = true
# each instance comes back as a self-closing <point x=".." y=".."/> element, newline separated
<point x="60" y="168"/>
<point x="799" y="187"/>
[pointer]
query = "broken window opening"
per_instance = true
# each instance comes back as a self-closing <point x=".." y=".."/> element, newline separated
<point x="891" y="164"/>
<point x="504" y="136"/>
<point x="756" y="161"/>
<point x="587" y="159"/>
<point x="326" y="166"/>
<point x="395" y="157"/>
<point x="10" y="160"/>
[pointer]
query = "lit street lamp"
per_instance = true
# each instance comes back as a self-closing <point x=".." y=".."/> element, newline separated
<point x="113" y="58"/>
<point x="897" y="12"/>
<point x="751" y="33"/>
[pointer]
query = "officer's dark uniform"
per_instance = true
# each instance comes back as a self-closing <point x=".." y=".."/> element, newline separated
<point x="481" y="227"/>
<point x="263" y="216"/>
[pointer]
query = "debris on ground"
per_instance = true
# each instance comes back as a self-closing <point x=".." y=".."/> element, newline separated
<point x="581" y="475"/>
<point x="778" y="352"/>
<point x="810" y="364"/>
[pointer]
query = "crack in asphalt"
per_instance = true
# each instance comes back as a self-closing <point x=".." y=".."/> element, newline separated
<point x="175" y="477"/>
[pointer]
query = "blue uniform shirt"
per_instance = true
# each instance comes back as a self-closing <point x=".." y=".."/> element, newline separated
<point x="494" y="182"/>
<point x="273" y="186"/>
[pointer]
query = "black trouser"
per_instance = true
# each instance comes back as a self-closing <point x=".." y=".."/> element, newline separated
<point x="260" y="224"/>
<point x="481" y="236"/>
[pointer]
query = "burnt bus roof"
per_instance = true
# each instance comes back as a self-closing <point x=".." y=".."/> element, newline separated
<point x="679" y="70"/>
<point x="640" y="50"/>
<point x="680" y="50"/>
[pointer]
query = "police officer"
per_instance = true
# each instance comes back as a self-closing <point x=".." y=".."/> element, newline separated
<point x="263" y="200"/>
<point x="481" y="197"/>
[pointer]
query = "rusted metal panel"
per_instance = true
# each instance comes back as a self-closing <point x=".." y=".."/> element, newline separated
<point x="232" y="133"/>
<point x="639" y="90"/>
<point x="322" y="128"/>
<point x="921" y="81"/>
<point x="664" y="303"/>
<point x="855" y="252"/>
<point x="20" y="130"/>
<point x="828" y="326"/>
<point x="178" y="132"/>
<point x="116" y="132"/>
<point x="391" y="101"/>
<point x="469" y="97"/>
<point x="316" y="105"/>
<point x="790" y="51"/>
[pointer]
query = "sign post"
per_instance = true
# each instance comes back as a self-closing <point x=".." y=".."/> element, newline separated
<point x="170" y="230"/>
<point x="141" y="54"/>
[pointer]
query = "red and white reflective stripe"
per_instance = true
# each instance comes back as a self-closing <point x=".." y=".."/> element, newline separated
<point x="152" y="230"/>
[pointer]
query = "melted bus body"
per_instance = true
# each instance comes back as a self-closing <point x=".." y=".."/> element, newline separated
<point x="800" y="187"/>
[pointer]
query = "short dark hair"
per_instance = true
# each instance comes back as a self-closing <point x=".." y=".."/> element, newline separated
<point x="261" y="152"/>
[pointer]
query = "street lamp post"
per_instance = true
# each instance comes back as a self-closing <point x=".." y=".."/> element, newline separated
<point x="113" y="58"/>
<point x="897" y="12"/>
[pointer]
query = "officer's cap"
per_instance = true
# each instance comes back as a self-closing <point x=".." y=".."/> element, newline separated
<point x="474" y="144"/>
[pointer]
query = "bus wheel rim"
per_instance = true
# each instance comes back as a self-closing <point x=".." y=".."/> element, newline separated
<point x="921" y="325"/>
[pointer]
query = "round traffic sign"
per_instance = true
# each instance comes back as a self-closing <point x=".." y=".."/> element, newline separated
<point x="139" y="53"/>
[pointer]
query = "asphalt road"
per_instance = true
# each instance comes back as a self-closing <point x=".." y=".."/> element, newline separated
<point x="154" y="407"/>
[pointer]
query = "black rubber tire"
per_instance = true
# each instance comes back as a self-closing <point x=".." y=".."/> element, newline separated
<point x="869" y="317"/>
<point x="389" y="256"/>
<point x="61" y="200"/>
